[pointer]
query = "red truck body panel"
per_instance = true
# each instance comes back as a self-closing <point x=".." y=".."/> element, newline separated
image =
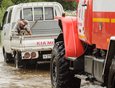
<point x="73" y="46"/>
<point x="88" y="22"/>
<point x="97" y="26"/>
<point x="91" y="26"/>
<point x="103" y="28"/>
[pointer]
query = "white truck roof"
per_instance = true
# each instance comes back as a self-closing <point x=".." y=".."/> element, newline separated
<point x="36" y="4"/>
<point x="16" y="8"/>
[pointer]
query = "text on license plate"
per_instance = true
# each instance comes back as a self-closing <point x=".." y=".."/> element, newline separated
<point x="46" y="56"/>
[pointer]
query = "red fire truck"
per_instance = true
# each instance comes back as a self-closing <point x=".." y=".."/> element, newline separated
<point x="85" y="46"/>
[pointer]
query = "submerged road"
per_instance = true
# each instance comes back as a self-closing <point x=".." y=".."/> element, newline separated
<point x="31" y="77"/>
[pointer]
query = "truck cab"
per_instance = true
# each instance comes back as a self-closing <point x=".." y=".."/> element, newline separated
<point x="41" y="18"/>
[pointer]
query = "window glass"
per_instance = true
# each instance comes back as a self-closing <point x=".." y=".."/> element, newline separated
<point x="4" y="18"/>
<point x="49" y="15"/>
<point x="104" y="5"/>
<point x="20" y="14"/>
<point x="9" y="17"/>
<point x="38" y="13"/>
<point x="27" y="13"/>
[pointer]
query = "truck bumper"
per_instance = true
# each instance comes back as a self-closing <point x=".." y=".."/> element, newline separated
<point x="23" y="49"/>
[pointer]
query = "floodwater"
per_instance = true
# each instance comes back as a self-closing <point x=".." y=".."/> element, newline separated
<point x="31" y="77"/>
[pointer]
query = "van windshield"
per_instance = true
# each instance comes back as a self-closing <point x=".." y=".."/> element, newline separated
<point x="38" y="13"/>
<point x="104" y="5"/>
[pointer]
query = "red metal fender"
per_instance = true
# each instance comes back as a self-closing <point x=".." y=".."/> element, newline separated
<point x="77" y="1"/>
<point x="73" y="46"/>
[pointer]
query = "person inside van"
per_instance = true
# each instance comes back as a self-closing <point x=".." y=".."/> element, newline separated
<point x="23" y="27"/>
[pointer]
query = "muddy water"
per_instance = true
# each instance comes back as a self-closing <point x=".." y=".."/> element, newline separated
<point x="32" y="77"/>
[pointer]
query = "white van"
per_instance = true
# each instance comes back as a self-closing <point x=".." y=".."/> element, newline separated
<point x="44" y="27"/>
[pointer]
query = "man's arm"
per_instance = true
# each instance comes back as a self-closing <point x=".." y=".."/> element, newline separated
<point x="27" y="27"/>
<point x="29" y="32"/>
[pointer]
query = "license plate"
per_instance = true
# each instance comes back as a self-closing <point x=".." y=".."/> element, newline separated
<point x="46" y="56"/>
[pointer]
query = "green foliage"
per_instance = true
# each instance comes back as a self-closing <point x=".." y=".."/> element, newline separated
<point x="5" y="4"/>
<point x="67" y="5"/>
<point x="24" y="1"/>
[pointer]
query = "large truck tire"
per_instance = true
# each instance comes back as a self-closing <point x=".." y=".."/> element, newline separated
<point x="61" y="76"/>
<point x="18" y="60"/>
<point x="111" y="77"/>
<point x="7" y="57"/>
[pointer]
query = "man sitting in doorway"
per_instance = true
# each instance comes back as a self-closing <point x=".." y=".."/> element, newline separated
<point x="23" y="27"/>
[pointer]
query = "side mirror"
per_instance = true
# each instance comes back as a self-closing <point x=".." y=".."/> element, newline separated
<point x="0" y="26"/>
<point x="63" y="14"/>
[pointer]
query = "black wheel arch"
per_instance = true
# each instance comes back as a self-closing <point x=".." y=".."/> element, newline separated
<point x="59" y="38"/>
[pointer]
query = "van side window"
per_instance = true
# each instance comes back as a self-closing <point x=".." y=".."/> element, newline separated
<point x="9" y="16"/>
<point x="4" y="18"/>
<point x="38" y="13"/>
<point x="21" y="14"/>
<point x="49" y="14"/>
<point x="27" y="13"/>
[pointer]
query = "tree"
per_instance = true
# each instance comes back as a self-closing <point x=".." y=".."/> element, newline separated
<point x="0" y="2"/>
<point x="4" y="5"/>
<point x="18" y="1"/>
<point x="24" y="1"/>
<point x="67" y="4"/>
